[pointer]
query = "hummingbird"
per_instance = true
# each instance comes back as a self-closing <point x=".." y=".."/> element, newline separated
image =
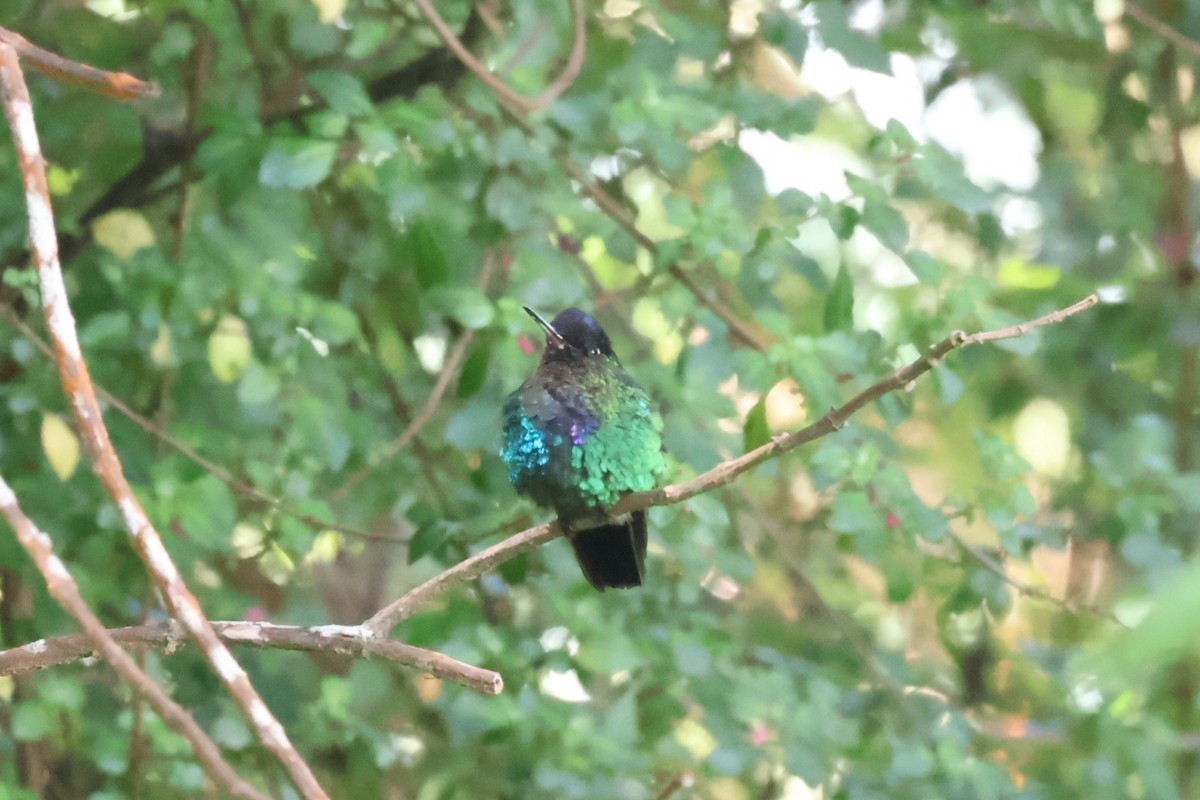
<point x="579" y="434"/>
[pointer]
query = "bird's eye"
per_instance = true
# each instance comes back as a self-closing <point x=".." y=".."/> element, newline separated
<point x="595" y="351"/>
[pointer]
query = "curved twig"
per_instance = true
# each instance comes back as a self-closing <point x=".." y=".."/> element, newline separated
<point x="725" y="472"/>
<point x="77" y="384"/>
<point x="503" y="92"/>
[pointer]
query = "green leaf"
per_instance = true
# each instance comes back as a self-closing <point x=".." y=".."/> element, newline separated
<point x="297" y="163"/>
<point x="343" y="92"/>
<point x="781" y="29"/>
<point x="756" y="433"/>
<point x="429" y="259"/>
<point x="206" y="512"/>
<point x="886" y="223"/>
<point x="467" y="305"/>
<point x="30" y="721"/>
<point x="474" y="371"/>
<point x="428" y="539"/>
<point x="859" y="49"/>
<point x="853" y="512"/>
<point x="927" y="269"/>
<point x="510" y="202"/>
<point x="839" y="302"/>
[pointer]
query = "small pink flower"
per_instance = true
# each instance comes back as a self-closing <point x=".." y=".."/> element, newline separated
<point x="893" y="521"/>
<point x="760" y="734"/>
<point x="524" y="343"/>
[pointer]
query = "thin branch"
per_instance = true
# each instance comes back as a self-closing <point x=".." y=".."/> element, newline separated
<point x="677" y="782"/>
<point x="396" y="612"/>
<point x="504" y="93"/>
<point x="345" y="640"/>
<point x="66" y="591"/>
<point x="77" y="384"/>
<point x="120" y="85"/>
<point x="1148" y="20"/>
<point x="619" y="214"/>
<point x="445" y="380"/>
<point x="725" y="472"/>
<point x="446" y="377"/>
<point x="245" y="20"/>
<point x="1028" y="589"/>
<point x="524" y="47"/>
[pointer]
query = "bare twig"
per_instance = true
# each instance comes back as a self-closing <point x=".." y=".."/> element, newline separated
<point x="66" y="591"/>
<point x="120" y="85"/>
<point x="245" y="20"/>
<point x="77" y="384"/>
<point x="394" y="613"/>
<point x="341" y="639"/>
<point x="1143" y="17"/>
<point x="677" y="782"/>
<point x="725" y="472"/>
<point x="446" y="377"/>
<point x="619" y="214"/>
<point x="504" y="93"/>
<point x="445" y="380"/>
<point x="1028" y="589"/>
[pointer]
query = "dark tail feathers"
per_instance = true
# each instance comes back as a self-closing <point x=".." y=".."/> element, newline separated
<point x="613" y="555"/>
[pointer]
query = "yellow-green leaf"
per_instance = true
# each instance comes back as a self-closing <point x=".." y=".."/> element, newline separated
<point x="60" y="445"/>
<point x="330" y="9"/>
<point x="123" y="232"/>
<point x="229" y="349"/>
<point x="1021" y="274"/>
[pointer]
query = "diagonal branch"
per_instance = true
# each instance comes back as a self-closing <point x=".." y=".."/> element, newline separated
<point x="66" y="591"/>
<point x="120" y="85"/>
<point x="726" y="472"/>
<point x="342" y="639"/>
<point x="77" y="384"/>
<point x="507" y="95"/>
<point x="445" y="378"/>
<point x="1028" y="589"/>
<point x="620" y="215"/>
<point x="1144" y="17"/>
<point x="445" y="381"/>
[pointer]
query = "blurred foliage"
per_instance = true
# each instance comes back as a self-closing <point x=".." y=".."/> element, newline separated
<point x="273" y="260"/>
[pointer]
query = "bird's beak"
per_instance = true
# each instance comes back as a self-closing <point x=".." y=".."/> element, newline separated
<point x="553" y="337"/>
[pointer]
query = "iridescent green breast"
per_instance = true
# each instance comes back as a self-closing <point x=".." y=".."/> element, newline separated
<point x="579" y="437"/>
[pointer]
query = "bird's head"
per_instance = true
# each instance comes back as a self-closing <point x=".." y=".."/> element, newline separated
<point x="573" y="334"/>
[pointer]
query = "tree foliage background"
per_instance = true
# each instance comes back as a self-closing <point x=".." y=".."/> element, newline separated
<point x="983" y="586"/>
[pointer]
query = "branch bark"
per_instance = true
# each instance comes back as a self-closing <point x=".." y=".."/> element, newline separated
<point x="120" y="85"/>
<point x="346" y="640"/>
<point x="77" y="384"/>
<point x="727" y="471"/>
<point x="65" y="590"/>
